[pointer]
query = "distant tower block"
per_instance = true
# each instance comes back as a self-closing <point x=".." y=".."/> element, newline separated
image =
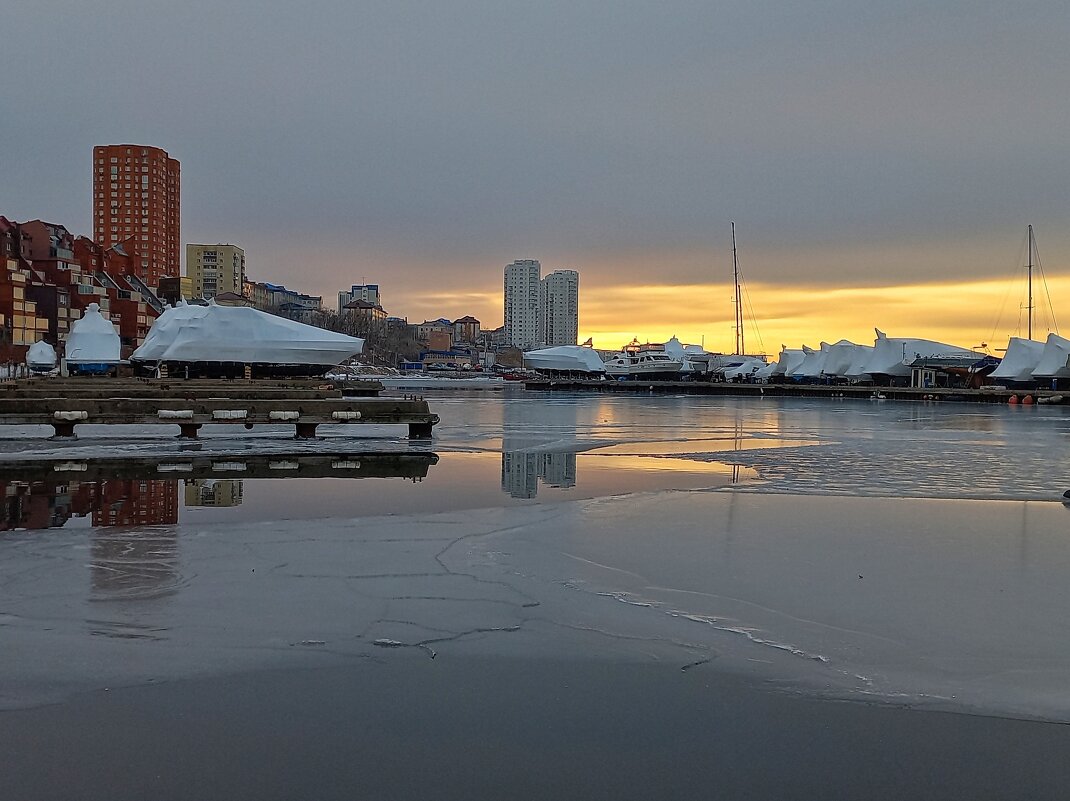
<point x="522" y="303"/>
<point x="136" y="206"/>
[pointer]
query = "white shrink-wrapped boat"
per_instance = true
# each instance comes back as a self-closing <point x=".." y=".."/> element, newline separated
<point x="747" y="368"/>
<point x="93" y="345"/>
<point x="790" y="360"/>
<point x="1055" y="359"/>
<point x="813" y="363"/>
<point x="694" y="358"/>
<point x="766" y="373"/>
<point x="1021" y="358"/>
<point x="565" y="359"/>
<point x="41" y="357"/>
<point x="892" y="356"/>
<point x="221" y="340"/>
<point x="843" y="355"/>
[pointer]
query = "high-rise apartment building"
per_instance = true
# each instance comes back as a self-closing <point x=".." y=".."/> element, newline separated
<point x="215" y="269"/>
<point x="522" y="303"/>
<point x="559" y="298"/>
<point x="136" y="206"/>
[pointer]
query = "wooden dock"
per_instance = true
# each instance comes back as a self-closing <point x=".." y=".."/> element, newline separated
<point x="725" y="388"/>
<point x="67" y="403"/>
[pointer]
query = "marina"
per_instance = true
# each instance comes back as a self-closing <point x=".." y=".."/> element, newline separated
<point x="988" y="394"/>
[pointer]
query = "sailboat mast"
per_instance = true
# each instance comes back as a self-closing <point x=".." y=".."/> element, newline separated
<point x="739" y="304"/>
<point x="1029" y="308"/>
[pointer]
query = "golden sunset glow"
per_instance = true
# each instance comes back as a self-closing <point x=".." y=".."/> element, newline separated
<point x="962" y="314"/>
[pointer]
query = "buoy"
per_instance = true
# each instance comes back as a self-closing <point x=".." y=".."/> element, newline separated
<point x="1027" y="400"/>
<point x="1012" y="400"/>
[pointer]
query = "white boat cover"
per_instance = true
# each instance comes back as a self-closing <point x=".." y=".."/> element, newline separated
<point x="569" y="358"/>
<point x="843" y="355"/>
<point x="767" y="372"/>
<point x="813" y="363"/>
<point x="747" y="369"/>
<point x="41" y="356"/>
<point x="694" y="358"/>
<point x="790" y="359"/>
<point x="1054" y="360"/>
<point x="894" y="355"/>
<point x="1021" y="358"/>
<point x="857" y="371"/>
<point x="93" y="340"/>
<point x="213" y="333"/>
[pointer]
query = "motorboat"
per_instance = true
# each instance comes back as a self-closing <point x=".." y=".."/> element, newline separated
<point x="1019" y="362"/>
<point x="224" y="340"/>
<point x="642" y="361"/>
<point x="565" y="359"/>
<point x="41" y="357"/>
<point x="93" y="345"/>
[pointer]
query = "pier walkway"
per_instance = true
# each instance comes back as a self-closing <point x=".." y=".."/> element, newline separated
<point x="67" y="403"/>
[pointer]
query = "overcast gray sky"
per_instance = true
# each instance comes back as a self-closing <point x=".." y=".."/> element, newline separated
<point x="424" y="145"/>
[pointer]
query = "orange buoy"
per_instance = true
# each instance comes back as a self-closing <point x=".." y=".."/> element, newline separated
<point x="1027" y="400"/>
<point x="1012" y="400"/>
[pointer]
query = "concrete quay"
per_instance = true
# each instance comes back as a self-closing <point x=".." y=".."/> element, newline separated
<point x="65" y="404"/>
<point x="984" y="395"/>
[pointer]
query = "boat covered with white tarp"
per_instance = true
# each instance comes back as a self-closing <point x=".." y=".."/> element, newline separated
<point x="1055" y="358"/>
<point x="565" y="359"/>
<point x="893" y="356"/>
<point x="93" y="345"/>
<point x="41" y="357"/>
<point x="1021" y="358"/>
<point x="218" y="339"/>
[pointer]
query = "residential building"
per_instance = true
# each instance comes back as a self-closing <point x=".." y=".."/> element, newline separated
<point x="466" y="329"/>
<point x="136" y="204"/>
<point x="369" y="293"/>
<point x="363" y="312"/>
<point x="559" y="294"/>
<point x="522" y="303"/>
<point x="441" y="326"/>
<point x="52" y="276"/>
<point x="214" y="269"/>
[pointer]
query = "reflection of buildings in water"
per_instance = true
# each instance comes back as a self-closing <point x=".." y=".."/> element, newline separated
<point x="34" y="505"/>
<point x="213" y="492"/>
<point x="40" y="505"/>
<point x="127" y="502"/>
<point x="522" y="471"/>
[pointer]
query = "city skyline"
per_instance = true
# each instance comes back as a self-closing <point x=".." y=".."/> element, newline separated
<point x="889" y="158"/>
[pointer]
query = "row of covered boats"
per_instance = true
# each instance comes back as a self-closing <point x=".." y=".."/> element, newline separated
<point x="208" y="340"/>
<point x="889" y="360"/>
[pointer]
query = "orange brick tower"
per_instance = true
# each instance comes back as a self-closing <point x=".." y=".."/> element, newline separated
<point x="136" y="206"/>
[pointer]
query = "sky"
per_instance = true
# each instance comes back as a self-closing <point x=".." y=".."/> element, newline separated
<point x="880" y="160"/>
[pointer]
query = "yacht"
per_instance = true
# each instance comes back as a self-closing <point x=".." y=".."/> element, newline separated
<point x="643" y="361"/>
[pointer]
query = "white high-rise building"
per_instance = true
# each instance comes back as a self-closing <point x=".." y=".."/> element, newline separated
<point x="522" y="303"/>
<point x="559" y="298"/>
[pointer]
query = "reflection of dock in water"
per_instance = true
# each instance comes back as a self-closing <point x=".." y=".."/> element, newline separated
<point x="41" y="494"/>
<point x="337" y="465"/>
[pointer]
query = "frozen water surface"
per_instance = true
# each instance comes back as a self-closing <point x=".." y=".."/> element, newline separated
<point x="907" y="553"/>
